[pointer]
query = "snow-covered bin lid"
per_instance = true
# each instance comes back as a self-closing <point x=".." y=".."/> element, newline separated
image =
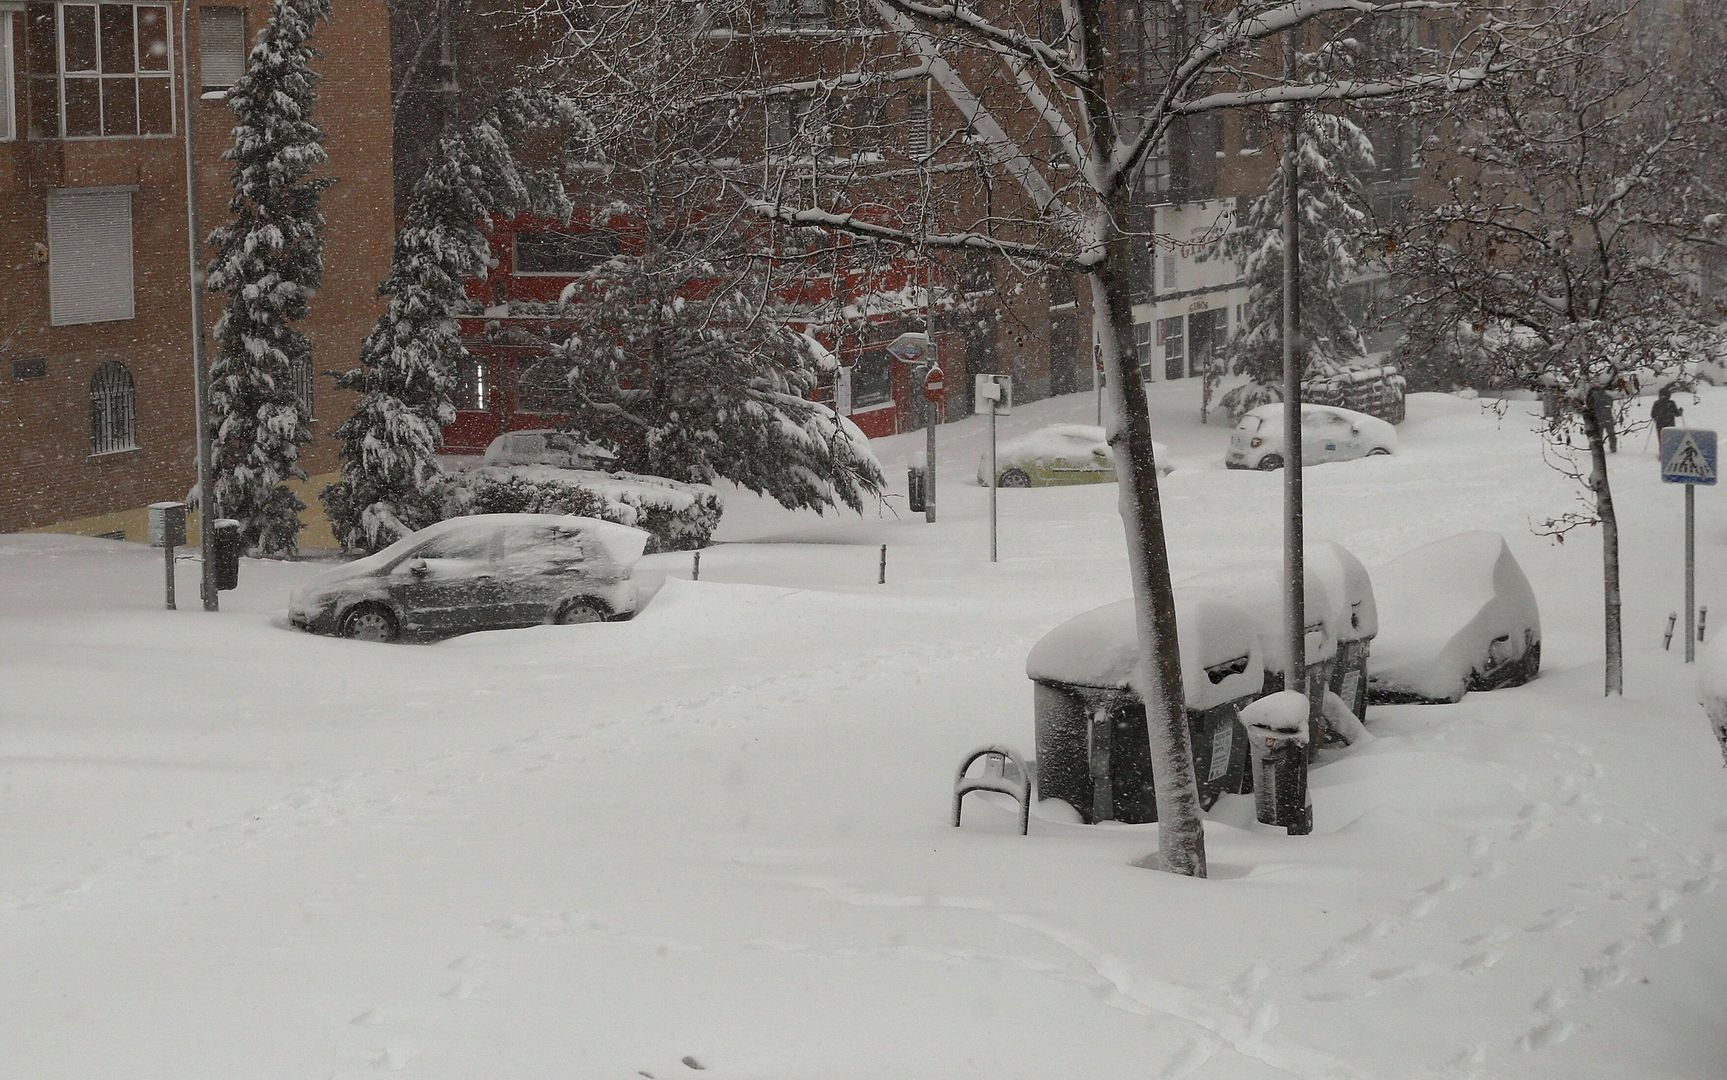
<point x="1443" y="606"/>
<point x="1220" y="654"/>
<point x="1258" y="589"/>
<point x="1354" y="612"/>
<point x="1281" y="716"/>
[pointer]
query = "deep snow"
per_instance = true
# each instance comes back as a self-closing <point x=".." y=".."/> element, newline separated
<point x="719" y="834"/>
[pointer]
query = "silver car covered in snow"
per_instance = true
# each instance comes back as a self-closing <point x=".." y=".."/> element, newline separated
<point x="482" y="572"/>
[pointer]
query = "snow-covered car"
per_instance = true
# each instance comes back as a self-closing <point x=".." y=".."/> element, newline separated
<point x="481" y="572"/>
<point x="1454" y="616"/>
<point x="1328" y="433"/>
<point x="1058" y="454"/>
<point x="543" y="446"/>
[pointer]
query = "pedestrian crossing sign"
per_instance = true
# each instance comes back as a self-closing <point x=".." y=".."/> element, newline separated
<point x="1688" y="456"/>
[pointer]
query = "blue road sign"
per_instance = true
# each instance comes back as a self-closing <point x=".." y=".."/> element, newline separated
<point x="1688" y="456"/>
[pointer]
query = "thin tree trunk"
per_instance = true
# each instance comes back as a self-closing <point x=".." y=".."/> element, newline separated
<point x="1614" y="666"/>
<point x="1181" y="831"/>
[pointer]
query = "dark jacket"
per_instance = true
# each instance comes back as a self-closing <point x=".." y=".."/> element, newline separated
<point x="1665" y="412"/>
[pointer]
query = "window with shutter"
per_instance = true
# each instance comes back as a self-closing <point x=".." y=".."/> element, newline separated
<point x="89" y="256"/>
<point x="221" y="46"/>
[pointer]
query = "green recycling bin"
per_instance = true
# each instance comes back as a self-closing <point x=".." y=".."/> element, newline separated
<point x="1355" y="617"/>
<point x="1093" y="748"/>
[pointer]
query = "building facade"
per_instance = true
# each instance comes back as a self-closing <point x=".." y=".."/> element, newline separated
<point x="96" y="378"/>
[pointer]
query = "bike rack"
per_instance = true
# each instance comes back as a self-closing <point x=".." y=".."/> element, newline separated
<point x="1020" y="789"/>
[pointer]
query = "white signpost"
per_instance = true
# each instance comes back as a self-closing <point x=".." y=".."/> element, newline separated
<point x="994" y="393"/>
<point x="1688" y="457"/>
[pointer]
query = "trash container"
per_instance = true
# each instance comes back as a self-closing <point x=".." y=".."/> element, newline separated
<point x="1257" y="589"/>
<point x="917" y="483"/>
<point x="1277" y="733"/>
<point x="1093" y="748"/>
<point x="1355" y="617"/>
<point x="226" y="545"/>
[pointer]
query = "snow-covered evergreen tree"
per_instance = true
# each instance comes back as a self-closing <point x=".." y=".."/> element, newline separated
<point x="409" y="361"/>
<point x="1335" y="152"/>
<point x="683" y="353"/>
<point x="270" y="259"/>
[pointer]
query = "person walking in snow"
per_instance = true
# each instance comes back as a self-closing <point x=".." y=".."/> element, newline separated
<point x="1665" y="412"/>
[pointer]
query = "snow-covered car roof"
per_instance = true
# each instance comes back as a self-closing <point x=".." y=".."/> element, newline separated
<point x="1442" y="606"/>
<point x="623" y="544"/>
<point x="1350" y="586"/>
<point x="1258" y="589"/>
<point x="1270" y="419"/>
<point x="1100" y="648"/>
<point x="1062" y="441"/>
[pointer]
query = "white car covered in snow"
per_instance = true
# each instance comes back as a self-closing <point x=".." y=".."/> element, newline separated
<point x="480" y="572"/>
<point x="1058" y="454"/>
<point x="1328" y="433"/>
<point x="543" y="446"/>
<point x="1454" y="616"/>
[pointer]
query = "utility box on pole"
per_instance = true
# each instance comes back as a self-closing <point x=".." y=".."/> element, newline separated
<point x="994" y="395"/>
<point x="168" y="531"/>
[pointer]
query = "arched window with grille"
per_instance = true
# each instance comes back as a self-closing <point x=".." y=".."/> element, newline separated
<point x="113" y="410"/>
<point x="300" y="371"/>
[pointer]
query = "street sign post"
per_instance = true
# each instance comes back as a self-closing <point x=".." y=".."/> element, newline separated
<point x="1688" y="457"/>
<point x="913" y="349"/>
<point x="995" y="393"/>
<point x="935" y="385"/>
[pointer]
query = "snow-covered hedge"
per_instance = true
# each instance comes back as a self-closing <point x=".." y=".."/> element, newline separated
<point x="678" y="516"/>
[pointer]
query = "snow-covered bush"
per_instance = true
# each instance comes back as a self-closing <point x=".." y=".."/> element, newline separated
<point x="678" y="516"/>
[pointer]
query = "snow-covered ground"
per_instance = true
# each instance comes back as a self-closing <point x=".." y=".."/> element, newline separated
<point x="717" y="837"/>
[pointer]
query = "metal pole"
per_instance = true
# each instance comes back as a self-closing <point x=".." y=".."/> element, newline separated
<point x="1097" y="379"/>
<point x="992" y="480"/>
<point x="929" y="448"/>
<point x="168" y="571"/>
<point x="1295" y="677"/>
<point x="881" y="573"/>
<point x="201" y="391"/>
<point x="1690" y="573"/>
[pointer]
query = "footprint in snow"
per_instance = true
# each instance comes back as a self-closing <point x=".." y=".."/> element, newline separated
<point x="1546" y="1034"/>
<point x="1667" y="930"/>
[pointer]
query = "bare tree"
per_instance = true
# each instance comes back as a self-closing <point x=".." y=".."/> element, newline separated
<point x="1561" y="251"/>
<point x="1044" y="118"/>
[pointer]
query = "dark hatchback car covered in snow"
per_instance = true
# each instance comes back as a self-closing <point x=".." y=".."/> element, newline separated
<point x="483" y="572"/>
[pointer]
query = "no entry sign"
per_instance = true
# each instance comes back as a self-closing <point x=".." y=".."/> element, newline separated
<point x="935" y="385"/>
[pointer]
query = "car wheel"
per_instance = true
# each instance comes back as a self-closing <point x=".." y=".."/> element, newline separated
<point x="1378" y="451"/>
<point x="583" y="610"/>
<point x="1015" y="478"/>
<point x="1270" y="463"/>
<point x="370" y="622"/>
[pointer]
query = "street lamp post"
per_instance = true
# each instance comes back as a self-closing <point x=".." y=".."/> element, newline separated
<point x="195" y="275"/>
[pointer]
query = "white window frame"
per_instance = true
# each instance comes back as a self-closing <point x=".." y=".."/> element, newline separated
<point x="136" y="74"/>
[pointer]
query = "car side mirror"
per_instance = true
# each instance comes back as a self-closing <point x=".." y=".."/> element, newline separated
<point x="418" y="568"/>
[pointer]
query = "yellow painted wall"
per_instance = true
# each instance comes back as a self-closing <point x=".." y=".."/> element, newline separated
<point x="135" y="523"/>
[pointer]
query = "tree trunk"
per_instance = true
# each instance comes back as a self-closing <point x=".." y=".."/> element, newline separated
<point x="1181" y="832"/>
<point x="1614" y="667"/>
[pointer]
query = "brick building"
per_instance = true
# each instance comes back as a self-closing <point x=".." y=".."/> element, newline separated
<point x="989" y="317"/>
<point x="96" y="390"/>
